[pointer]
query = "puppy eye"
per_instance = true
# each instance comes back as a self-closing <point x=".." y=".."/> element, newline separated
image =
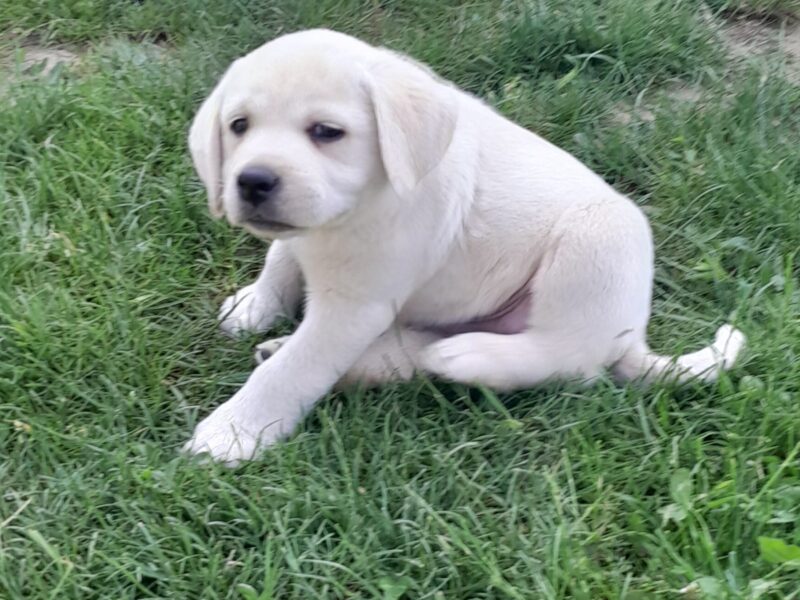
<point x="321" y="132"/>
<point x="239" y="126"/>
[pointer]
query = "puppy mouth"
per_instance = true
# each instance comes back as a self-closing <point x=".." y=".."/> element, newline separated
<point x="268" y="225"/>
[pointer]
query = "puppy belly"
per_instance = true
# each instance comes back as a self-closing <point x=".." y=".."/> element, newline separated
<point x="511" y="317"/>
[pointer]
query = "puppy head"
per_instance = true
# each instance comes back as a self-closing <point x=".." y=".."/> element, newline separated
<point x="302" y="131"/>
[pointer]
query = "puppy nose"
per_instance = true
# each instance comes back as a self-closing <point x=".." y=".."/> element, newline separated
<point x="256" y="184"/>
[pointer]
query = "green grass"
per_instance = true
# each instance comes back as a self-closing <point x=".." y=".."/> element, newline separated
<point x="111" y="273"/>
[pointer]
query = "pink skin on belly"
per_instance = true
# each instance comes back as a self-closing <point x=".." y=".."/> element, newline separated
<point x="511" y="317"/>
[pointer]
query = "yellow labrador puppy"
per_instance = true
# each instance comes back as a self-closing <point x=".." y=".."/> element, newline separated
<point x="426" y="233"/>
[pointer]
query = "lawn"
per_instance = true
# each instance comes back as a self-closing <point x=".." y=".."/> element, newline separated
<point x="111" y="272"/>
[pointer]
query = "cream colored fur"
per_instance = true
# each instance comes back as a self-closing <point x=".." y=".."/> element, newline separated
<point x="432" y="210"/>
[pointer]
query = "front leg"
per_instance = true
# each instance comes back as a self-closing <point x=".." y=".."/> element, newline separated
<point x="333" y="335"/>
<point x="276" y="292"/>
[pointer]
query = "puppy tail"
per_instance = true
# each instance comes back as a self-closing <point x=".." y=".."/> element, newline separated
<point x="641" y="364"/>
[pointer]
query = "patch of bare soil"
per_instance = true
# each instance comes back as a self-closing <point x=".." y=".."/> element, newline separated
<point x="23" y="58"/>
<point x="47" y="58"/>
<point x="752" y="35"/>
<point x="29" y="58"/>
<point x="32" y="54"/>
<point x="746" y="36"/>
<point x="677" y="91"/>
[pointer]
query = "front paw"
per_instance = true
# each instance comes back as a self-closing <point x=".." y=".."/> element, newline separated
<point x="234" y="432"/>
<point x="245" y="312"/>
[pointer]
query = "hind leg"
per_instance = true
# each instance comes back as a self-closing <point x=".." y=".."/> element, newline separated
<point x="591" y="298"/>
<point x="266" y="349"/>
<point x="395" y="355"/>
<point x="506" y="362"/>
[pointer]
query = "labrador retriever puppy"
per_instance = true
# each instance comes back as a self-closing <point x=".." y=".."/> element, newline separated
<point x="426" y="233"/>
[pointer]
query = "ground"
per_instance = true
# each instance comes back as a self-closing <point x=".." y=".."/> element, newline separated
<point x="111" y="274"/>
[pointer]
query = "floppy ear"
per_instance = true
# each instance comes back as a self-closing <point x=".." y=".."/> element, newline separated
<point x="416" y="116"/>
<point x="205" y="144"/>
